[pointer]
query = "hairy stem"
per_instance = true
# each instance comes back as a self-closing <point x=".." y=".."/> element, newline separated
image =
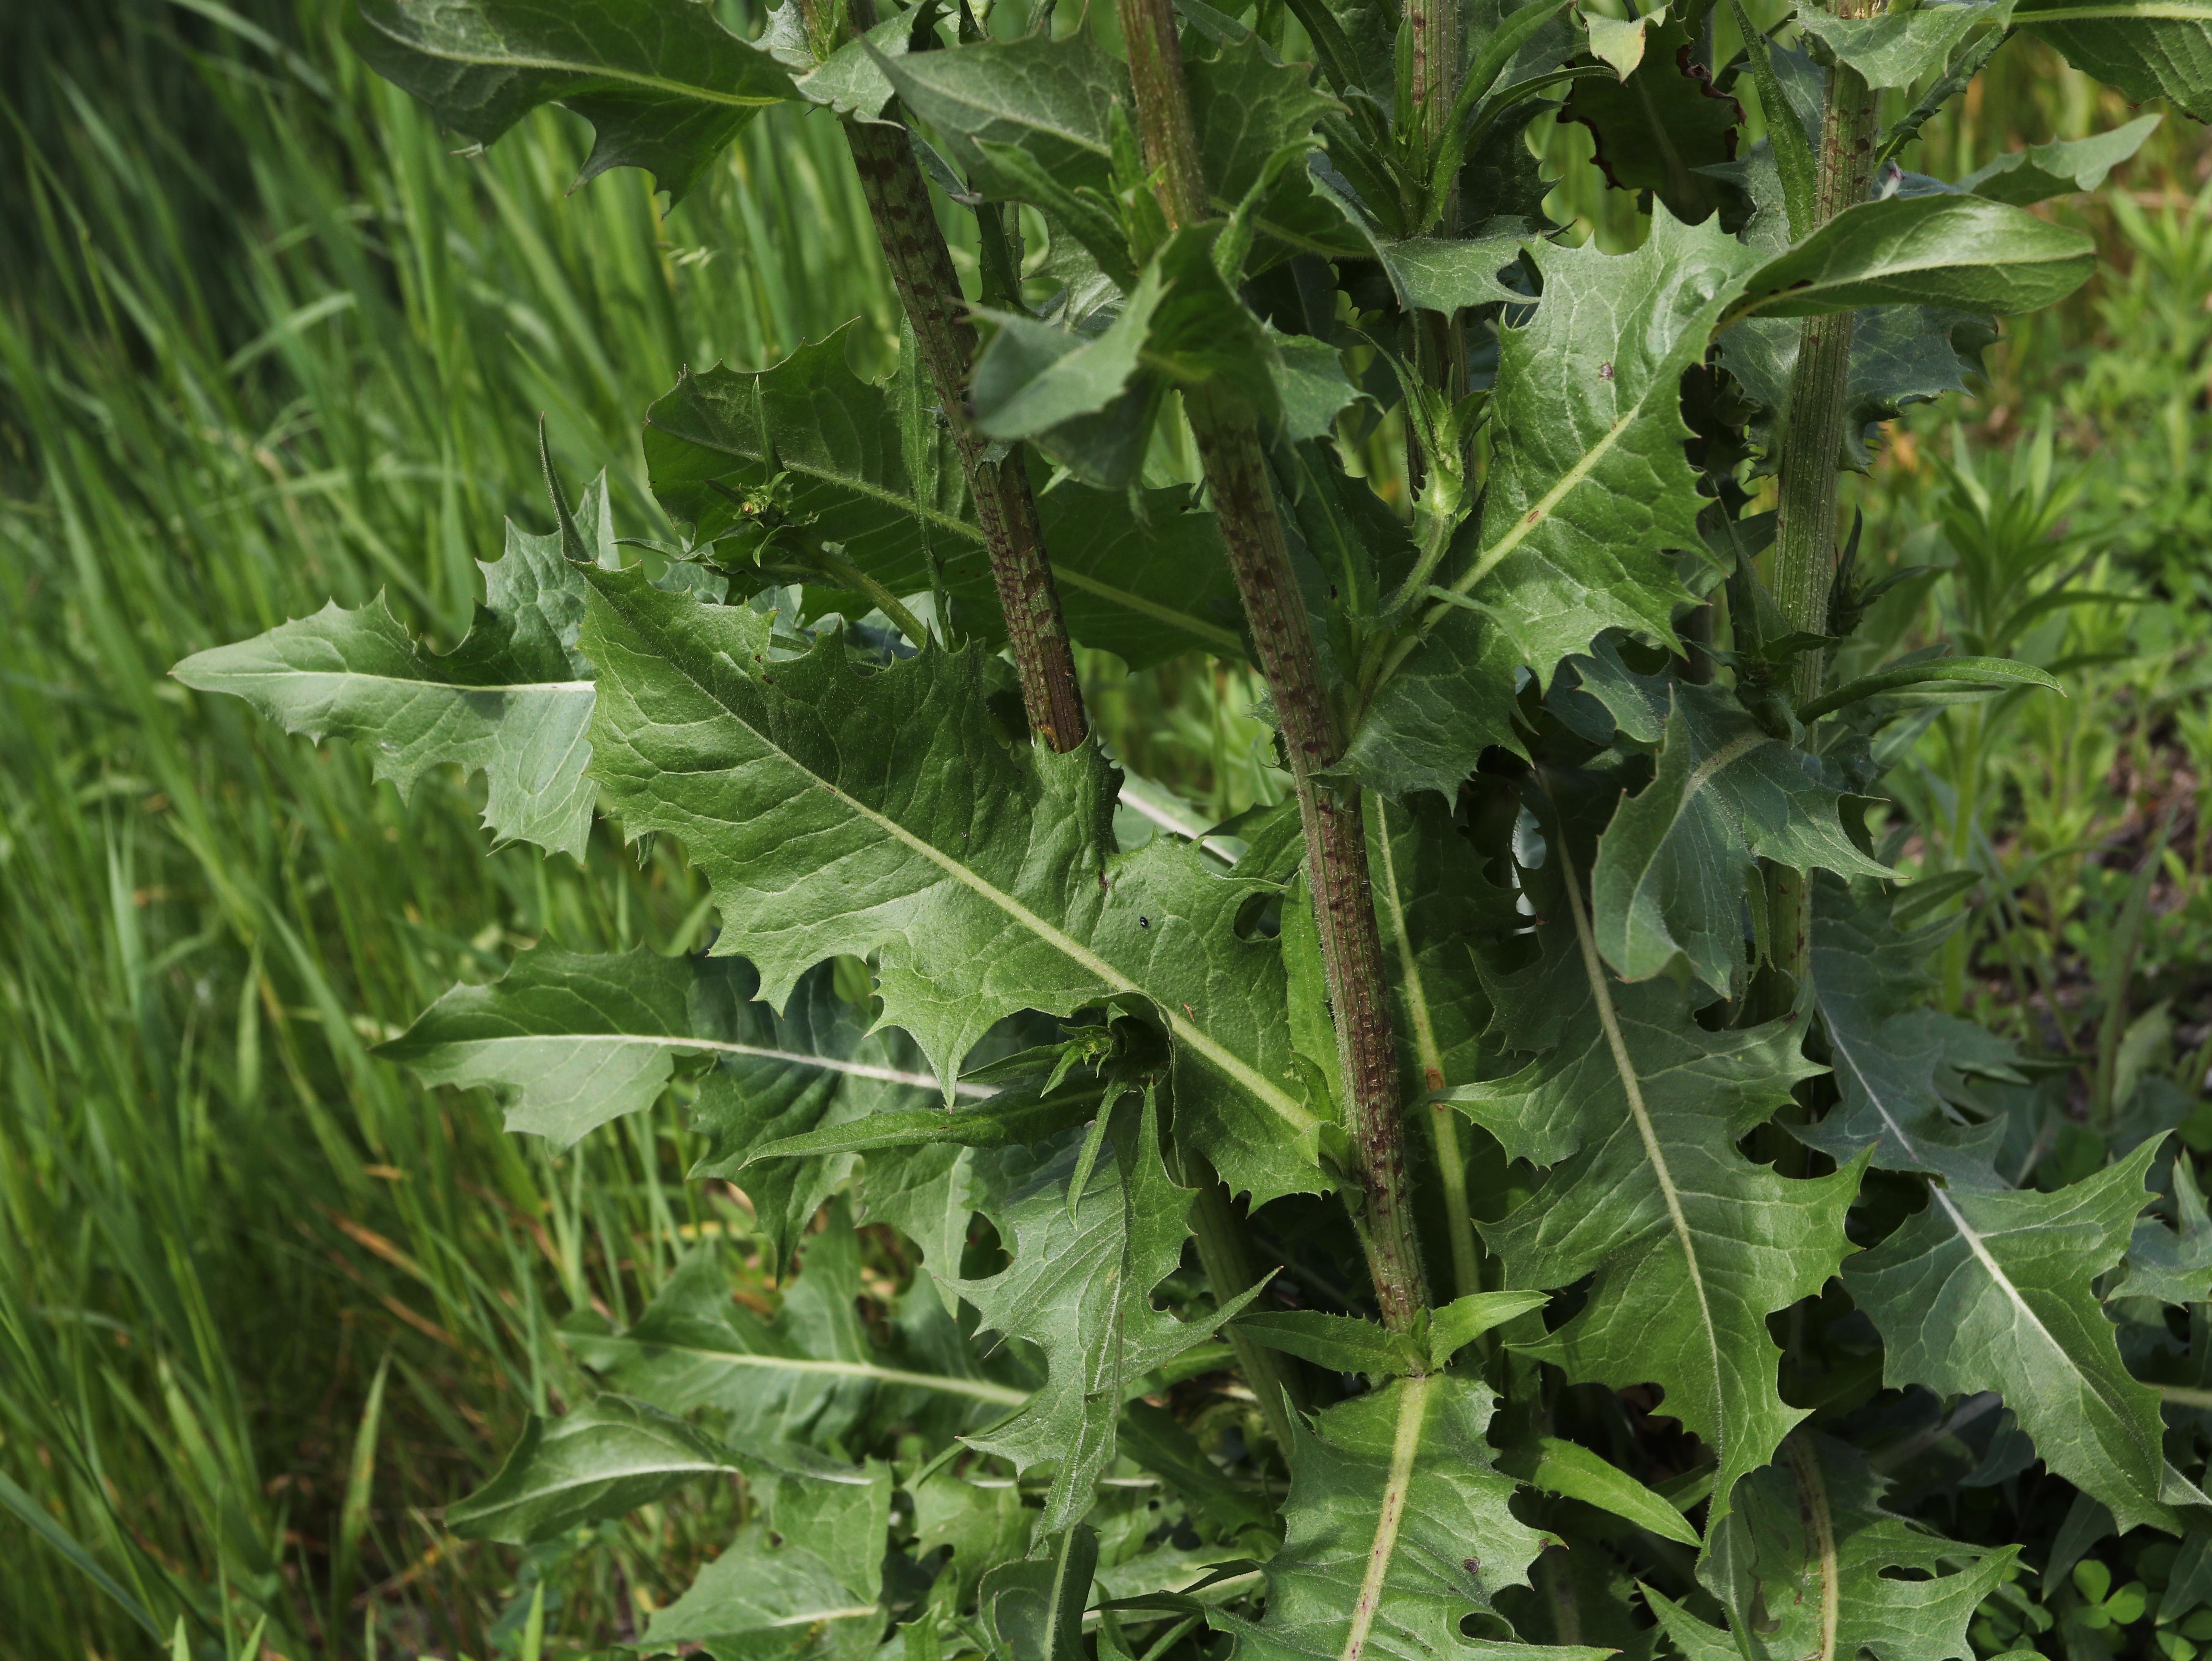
<point x="1439" y="341"/>
<point x="1336" y="832"/>
<point x="1812" y="447"/>
<point x="929" y="289"/>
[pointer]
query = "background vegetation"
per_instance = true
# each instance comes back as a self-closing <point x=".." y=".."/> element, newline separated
<point x="264" y="1306"/>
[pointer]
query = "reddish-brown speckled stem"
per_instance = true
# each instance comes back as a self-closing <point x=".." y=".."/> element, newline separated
<point x="922" y="270"/>
<point x="1335" y="833"/>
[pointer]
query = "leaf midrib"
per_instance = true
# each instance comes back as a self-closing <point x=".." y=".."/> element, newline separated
<point x="1405" y="1449"/>
<point x="982" y="1390"/>
<point x="234" y="679"/>
<point x="1262" y="1088"/>
<point x="1624" y="1064"/>
<point x="1967" y="1233"/>
<point x="536" y="1496"/>
<point x="1216" y="637"/>
<point x="800" y="1058"/>
<point x="516" y="60"/>
<point x="1805" y="1468"/>
<point x="1826" y="283"/>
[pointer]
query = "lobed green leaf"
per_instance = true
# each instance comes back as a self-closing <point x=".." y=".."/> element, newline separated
<point x="665" y="86"/>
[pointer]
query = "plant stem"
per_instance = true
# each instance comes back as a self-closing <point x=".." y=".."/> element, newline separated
<point x="929" y="289"/>
<point x="1439" y="343"/>
<point x="1812" y="450"/>
<point x="1335" y="833"/>
<point x="1443" y="1118"/>
<point x="846" y="574"/>
<point x="1224" y="1251"/>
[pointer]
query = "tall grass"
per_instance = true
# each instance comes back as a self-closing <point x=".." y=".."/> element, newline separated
<point x="263" y="1307"/>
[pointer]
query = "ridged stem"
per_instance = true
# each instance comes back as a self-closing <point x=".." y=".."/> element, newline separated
<point x="929" y="289"/>
<point x="1812" y="449"/>
<point x="1335" y="834"/>
<point x="1439" y="342"/>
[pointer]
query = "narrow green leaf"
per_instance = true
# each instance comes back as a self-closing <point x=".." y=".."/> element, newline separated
<point x="512" y="701"/>
<point x="1992" y="1291"/>
<point x="1993" y="674"/>
<point x="1673" y="863"/>
<point x="664" y="83"/>
<point x="2060" y="169"/>
<point x="838" y="811"/>
<point x="361" y="1480"/>
<point x="1342" y="1343"/>
<point x="1461" y="1322"/>
<point x="606" y="1458"/>
<point x="1570" y="1469"/>
<point x="1954" y="251"/>
<point x="36" y="1518"/>
<point x="1792" y="149"/>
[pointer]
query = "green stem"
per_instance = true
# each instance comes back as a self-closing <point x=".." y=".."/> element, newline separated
<point x="929" y="289"/>
<point x="1812" y="450"/>
<point x="1329" y="809"/>
<point x="1224" y="1252"/>
<point x="846" y="574"/>
<point x="1442" y="1117"/>
<point x="1439" y="341"/>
